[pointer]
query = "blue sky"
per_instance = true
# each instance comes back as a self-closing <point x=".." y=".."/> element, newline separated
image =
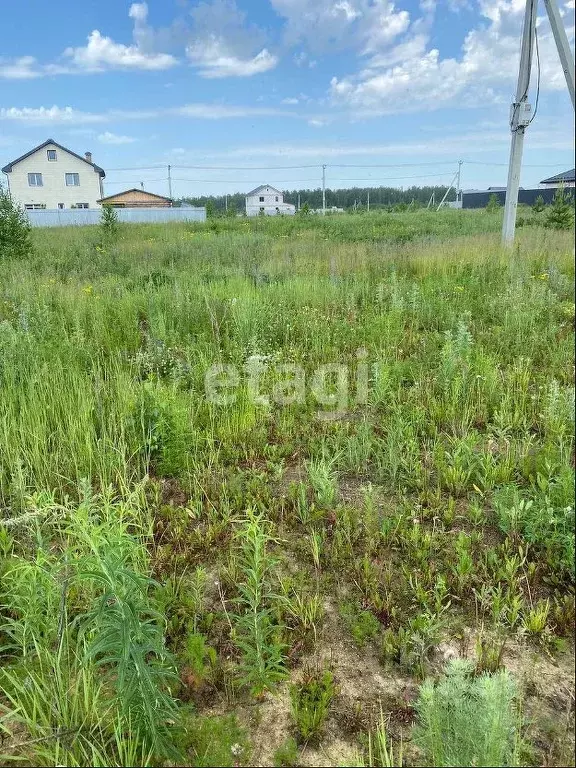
<point x="246" y="86"/>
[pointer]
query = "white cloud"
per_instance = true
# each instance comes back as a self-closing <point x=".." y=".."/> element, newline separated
<point x="49" y="115"/>
<point x="290" y="100"/>
<point x="112" y="138"/>
<point x="301" y="59"/>
<point x="413" y="77"/>
<point x="195" y="111"/>
<point x="447" y="148"/>
<point x="215" y="59"/>
<point x="325" y="25"/>
<point x="138" y="12"/>
<point x="316" y="122"/>
<point x="223" y="111"/>
<point x="103" y="53"/>
<point x="22" y="68"/>
<point x="223" y="44"/>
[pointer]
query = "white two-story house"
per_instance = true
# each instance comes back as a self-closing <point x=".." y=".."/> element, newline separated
<point x="267" y="201"/>
<point x="51" y="176"/>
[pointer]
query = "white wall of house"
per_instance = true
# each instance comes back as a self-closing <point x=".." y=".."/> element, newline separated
<point x="54" y="192"/>
<point x="268" y="201"/>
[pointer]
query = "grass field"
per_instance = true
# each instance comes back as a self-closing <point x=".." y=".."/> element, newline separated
<point x="288" y="492"/>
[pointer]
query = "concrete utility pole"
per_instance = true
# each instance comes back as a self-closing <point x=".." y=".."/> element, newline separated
<point x="170" y="182"/>
<point x="521" y="114"/>
<point x="458" y="183"/>
<point x="323" y="190"/>
<point x="226" y="203"/>
<point x="368" y="202"/>
<point x="562" y="44"/>
<point x="298" y="201"/>
<point x="448" y="191"/>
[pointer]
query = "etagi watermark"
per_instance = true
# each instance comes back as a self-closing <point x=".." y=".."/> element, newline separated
<point x="333" y="386"/>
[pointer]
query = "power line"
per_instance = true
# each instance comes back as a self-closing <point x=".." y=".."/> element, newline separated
<point x="243" y="168"/>
<point x="391" y="165"/>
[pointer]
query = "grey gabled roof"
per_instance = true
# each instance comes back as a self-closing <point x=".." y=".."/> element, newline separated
<point x="564" y="176"/>
<point x="263" y="186"/>
<point x="8" y="168"/>
<point x="134" y="189"/>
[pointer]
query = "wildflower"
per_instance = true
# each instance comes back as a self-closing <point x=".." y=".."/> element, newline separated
<point x="87" y="290"/>
<point x="543" y="276"/>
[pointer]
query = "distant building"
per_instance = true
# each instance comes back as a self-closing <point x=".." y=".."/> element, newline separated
<point x="136" y="198"/>
<point x="267" y="201"/>
<point x="565" y="179"/>
<point x="51" y="176"/>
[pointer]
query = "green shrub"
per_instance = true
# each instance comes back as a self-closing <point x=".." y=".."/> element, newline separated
<point x="468" y="721"/>
<point x="217" y="741"/>
<point x="493" y="204"/>
<point x="15" y="240"/>
<point x="311" y="701"/>
<point x="287" y="755"/>
<point x="109" y="223"/>
<point x="363" y="625"/>
<point x="560" y="215"/>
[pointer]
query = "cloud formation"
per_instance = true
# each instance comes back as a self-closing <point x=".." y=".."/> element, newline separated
<point x="223" y="44"/>
<point x="412" y="76"/>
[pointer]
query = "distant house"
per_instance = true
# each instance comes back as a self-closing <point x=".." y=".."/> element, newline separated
<point x="136" y="198"/>
<point x="51" y="176"/>
<point x="267" y="201"/>
<point x="565" y="179"/>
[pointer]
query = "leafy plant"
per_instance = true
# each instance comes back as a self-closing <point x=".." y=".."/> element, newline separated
<point x="363" y="625"/>
<point x="311" y="701"/>
<point x="468" y="721"/>
<point x="15" y="240"/>
<point x="539" y="205"/>
<point x="255" y="633"/>
<point x="493" y="204"/>
<point x="287" y="755"/>
<point x="560" y="215"/>
<point x="109" y="223"/>
<point x="124" y="635"/>
<point x="217" y="742"/>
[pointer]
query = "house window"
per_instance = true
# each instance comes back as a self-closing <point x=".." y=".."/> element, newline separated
<point x="51" y="155"/>
<point x="35" y="206"/>
<point x="276" y="199"/>
<point x="72" y="179"/>
<point x="60" y="205"/>
<point x="261" y="199"/>
<point x="34" y="179"/>
<point x="82" y="205"/>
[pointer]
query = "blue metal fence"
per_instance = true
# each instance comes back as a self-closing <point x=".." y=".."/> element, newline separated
<point x="81" y="217"/>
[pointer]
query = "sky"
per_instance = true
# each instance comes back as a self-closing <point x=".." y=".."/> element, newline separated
<point x="234" y="93"/>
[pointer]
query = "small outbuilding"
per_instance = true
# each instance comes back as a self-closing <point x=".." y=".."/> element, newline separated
<point x="136" y="198"/>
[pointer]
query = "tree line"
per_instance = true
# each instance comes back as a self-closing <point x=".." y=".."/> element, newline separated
<point x="350" y="198"/>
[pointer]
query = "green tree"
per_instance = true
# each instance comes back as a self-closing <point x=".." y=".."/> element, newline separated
<point x="560" y="215"/>
<point x="109" y="222"/>
<point x="210" y="209"/>
<point x="15" y="240"/>
<point x="539" y="205"/>
<point x="304" y="210"/>
<point x="493" y="204"/>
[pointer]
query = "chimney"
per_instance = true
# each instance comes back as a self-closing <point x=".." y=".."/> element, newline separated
<point x="88" y="156"/>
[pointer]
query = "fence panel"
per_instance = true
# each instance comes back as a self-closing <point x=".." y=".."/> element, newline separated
<point x="81" y="217"/>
